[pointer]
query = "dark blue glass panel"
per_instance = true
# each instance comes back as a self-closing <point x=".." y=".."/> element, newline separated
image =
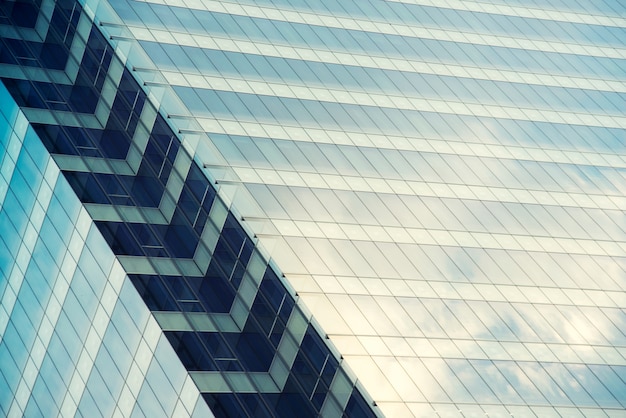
<point x="145" y="190"/>
<point x="291" y="402"/>
<point x="225" y="405"/>
<point x="87" y="187"/>
<point x="57" y="139"/>
<point x="214" y="290"/>
<point x="154" y="293"/>
<point x="6" y="57"/>
<point x="304" y="374"/>
<point x="357" y="407"/>
<point x="263" y="313"/>
<point x="120" y="238"/>
<point x="22" y="14"/>
<point x="179" y="239"/>
<point x="251" y="348"/>
<point x="234" y="235"/>
<point x="224" y="256"/>
<point x="82" y="98"/>
<point x="24" y="93"/>
<point x="152" y="240"/>
<point x="254" y="405"/>
<point x="114" y="140"/>
<point x="54" y="56"/>
<point x="191" y="351"/>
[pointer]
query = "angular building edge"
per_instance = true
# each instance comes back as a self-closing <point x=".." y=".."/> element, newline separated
<point x="168" y="320"/>
<point x="74" y="333"/>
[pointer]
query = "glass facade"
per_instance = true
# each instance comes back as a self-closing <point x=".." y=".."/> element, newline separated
<point x="76" y="338"/>
<point x="128" y="286"/>
<point x="439" y="185"/>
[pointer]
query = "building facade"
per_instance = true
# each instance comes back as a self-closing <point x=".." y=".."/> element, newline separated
<point x="128" y="287"/>
<point x="358" y="208"/>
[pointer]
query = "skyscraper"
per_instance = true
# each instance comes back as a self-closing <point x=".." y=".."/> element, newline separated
<point x="438" y="188"/>
<point x="103" y="207"/>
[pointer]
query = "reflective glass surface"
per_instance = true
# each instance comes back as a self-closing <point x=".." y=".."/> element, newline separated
<point x="212" y="302"/>
<point x="440" y="184"/>
<point x="75" y="337"/>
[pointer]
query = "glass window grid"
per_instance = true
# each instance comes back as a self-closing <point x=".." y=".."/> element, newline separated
<point x="86" y="259"/>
